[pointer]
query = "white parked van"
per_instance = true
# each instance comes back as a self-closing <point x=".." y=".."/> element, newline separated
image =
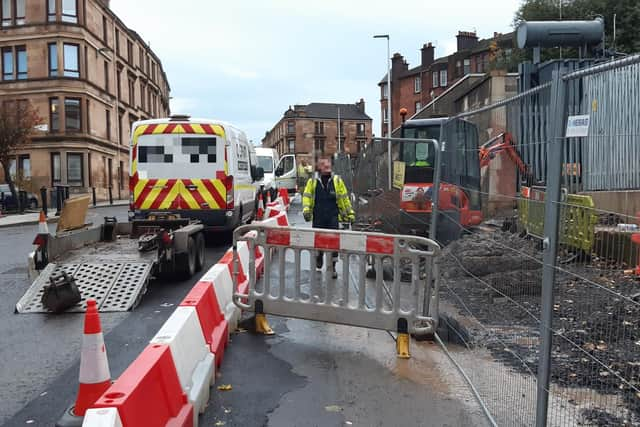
<point x="198" y="168"/>
<point x="267" y="160"/>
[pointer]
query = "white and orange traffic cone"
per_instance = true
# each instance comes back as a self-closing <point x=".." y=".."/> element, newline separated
<point x="260" y="212"/>
<point x="43" y="228"/>
<point x="95" y="377"/>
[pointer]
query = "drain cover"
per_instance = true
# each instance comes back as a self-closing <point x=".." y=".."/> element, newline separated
<point x="114" y="286"/>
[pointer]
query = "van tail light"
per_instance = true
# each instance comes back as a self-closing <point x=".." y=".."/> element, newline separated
<point x="228" y="184"/>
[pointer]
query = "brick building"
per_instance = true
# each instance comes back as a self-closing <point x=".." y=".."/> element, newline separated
<point x="89" y="77"/>
<point x="311" y="130"/>
<point x="414" y="88"/>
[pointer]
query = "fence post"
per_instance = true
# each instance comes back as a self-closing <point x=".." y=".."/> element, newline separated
<point x="58" y="200"/>
<point x="551" y="238"/>
<point x="93" y="191"/>
<point x="43" y="197"/>
<point x="435" y="194"/>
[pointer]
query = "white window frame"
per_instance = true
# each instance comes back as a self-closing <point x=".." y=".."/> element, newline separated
<point x="443" y="78"/>
<point x="385" y="91"/>
<point x="435" y="79"/>
<point x="418" y="106"/>
<point x="417" y="84"/>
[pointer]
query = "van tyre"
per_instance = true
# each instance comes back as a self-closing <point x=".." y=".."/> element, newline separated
<point x="200" y="252"/>
<point x="186" y="261"/>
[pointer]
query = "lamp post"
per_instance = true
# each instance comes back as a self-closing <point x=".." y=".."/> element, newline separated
<point x="389" y="121"/>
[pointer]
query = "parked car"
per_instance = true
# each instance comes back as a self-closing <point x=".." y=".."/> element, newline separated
<point x="8" y="202"/>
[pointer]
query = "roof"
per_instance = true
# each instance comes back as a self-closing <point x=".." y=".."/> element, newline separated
<point x="319" y="110"/>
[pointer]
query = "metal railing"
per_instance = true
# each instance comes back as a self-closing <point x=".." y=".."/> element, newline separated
<point x="383" y="282"/>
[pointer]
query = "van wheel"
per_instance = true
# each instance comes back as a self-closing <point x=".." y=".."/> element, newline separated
<point x="186" y="262"/>
<point x="200" y="249"/>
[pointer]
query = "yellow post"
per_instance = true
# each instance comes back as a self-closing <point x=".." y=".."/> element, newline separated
<point x="402" y="346"/>
<point x="262" y="325"/>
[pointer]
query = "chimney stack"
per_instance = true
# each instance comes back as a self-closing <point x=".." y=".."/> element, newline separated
<point x="360" y="105"/>
<point x="466" y="40"/>
<point x="428" y="55"/>
<point x="398" y="65"/>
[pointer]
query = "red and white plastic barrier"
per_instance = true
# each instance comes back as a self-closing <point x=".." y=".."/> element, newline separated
<point x="169" y="383"/>
<point x="192" y="357"/>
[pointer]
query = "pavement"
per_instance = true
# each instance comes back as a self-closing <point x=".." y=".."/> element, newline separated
<point x="28" y="218"/>
<point x="308" y="374"/>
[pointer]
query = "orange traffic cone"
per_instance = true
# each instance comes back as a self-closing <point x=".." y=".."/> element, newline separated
<point x="260" y="212"/>
<point x="43" y="228"/>
<point x="95" y="377"/>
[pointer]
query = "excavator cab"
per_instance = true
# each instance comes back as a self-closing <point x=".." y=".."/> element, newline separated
<point x="459" y="193"/>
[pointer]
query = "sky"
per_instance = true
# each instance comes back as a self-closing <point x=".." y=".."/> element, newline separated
<point x="246" y="61"/>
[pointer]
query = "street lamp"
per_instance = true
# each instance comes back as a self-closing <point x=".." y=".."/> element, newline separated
<point x="389" y="122"/>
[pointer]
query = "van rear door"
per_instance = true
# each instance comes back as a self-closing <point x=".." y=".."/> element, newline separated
<point x="179" y="166"/>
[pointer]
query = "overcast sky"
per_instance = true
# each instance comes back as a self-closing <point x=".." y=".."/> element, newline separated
<point x="246" y="61"/>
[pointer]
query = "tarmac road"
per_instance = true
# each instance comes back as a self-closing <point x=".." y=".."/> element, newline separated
<point x="308" y="374"/>
<point x="39" y="355"/>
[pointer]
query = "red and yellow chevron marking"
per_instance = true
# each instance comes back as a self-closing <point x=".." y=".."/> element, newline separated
<point x="163" y="194"/>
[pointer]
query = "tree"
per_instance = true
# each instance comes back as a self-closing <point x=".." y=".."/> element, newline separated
<point x="627" y="13"/>
<point x="18" y="120"/>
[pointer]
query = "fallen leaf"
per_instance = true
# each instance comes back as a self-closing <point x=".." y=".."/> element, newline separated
<point x="225" y="387"/>
<point x="589" y="346"/>
<point x="220" y="423"/>
<point x="332" y="408"/>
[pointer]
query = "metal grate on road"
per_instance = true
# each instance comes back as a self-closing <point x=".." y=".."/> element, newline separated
<point x="114" y="286"/>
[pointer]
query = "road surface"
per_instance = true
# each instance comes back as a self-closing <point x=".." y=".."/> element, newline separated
<point x="308" y="374"/>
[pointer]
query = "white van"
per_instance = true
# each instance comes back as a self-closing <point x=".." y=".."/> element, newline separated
<point x="197" y="168"/>
<point x="287" y="173"/>
<point x="267" y="160"/>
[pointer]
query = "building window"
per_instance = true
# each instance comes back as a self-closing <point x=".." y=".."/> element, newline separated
<point x="443" y="78"/>
<point x="360" y="129"/>
<point x="88" y="116"/>
<point x="319" y="146"/>
<point x="385" y="115"/>
<point x="434" y="76"/>
<point x="385" y="92"/>
<point x="13" y="12"/>
<point x="70" y="11"/>
<point x="417" y="84"/>
<point x="360" y="145"/>
<point x="106" y="76"/>
<point x="56" y="168"/>
<point x="319" y="128"/>
<point x="7" y="63"/>
<point x="104" y="29"/>
<point x="291" y="126"/>
<point x="21" y="60"/>
<point x="75" y="169"/>
<point x="72" y="114"/>
<point x="121" y="176"/>
<point x="130" y="52"/>
<point x="24" y="166"/>
<point x="132" y="92"/>
<point x="467" y="66"/>
<point x="51" y="10"/>
<point x="418" y="106"/>
<point x="108" y="123"/>
<point x="53" y="60"/>
<point x="117" y="36"/>
<point x="54" y="114"/>
<point x="71" y="60"/>
<point x="121" y="126"/>
<point x="292" y="146"/>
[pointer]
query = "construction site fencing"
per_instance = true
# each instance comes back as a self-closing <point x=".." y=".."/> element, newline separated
<point x="539" y="304"/>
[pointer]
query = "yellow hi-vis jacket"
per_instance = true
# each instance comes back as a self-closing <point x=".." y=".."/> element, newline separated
<point x="345" y="211"/>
